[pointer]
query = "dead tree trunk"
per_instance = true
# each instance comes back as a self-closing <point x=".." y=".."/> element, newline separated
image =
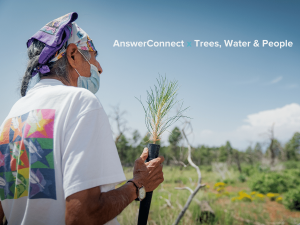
<point x="199" y="185"/>
<point x="237" y="158"/>
<point x="272" y="147"/>
<point x="272" y="152"/>
<point x="207" y="214"/>
<point x="118" y="117"/>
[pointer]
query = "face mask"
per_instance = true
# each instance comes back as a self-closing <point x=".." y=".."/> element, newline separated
<point x="91" y="83"/>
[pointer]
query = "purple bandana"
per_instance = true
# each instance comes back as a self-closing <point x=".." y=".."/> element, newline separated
<point x="54" y="34"/>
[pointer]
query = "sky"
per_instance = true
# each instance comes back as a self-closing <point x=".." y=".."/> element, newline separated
<point x="233" y="93"/>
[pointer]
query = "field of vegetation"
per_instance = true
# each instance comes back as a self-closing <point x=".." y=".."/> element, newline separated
<point x="258" y="185"/>
<point x="254" y="186"/>
<point x="260" y="198"/>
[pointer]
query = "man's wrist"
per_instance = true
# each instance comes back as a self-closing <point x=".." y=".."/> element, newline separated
<point x="134" y="188"/>
<point x="137" y="182"/>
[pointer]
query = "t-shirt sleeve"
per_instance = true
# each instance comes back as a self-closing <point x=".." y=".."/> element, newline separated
<point x="90" y="156"/>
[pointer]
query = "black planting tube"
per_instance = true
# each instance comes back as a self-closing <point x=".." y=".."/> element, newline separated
<point x="153" y="152"/>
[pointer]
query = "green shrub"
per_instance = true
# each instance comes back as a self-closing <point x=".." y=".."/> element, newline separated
<point x="248" y="170"/>
<point x="242" y="178"/>
<point x="292" y="164"/>
<point x="270" y="182"/>
<point x="293" y="177"/>
<point x="228" y="181"/>
<point x="264" y="169"/>
<point x="292" y="199"/>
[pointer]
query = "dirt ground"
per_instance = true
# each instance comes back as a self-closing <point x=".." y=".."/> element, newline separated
<point x="276" y="211"/>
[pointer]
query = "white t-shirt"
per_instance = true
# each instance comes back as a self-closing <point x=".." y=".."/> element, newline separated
<point x="55" y="141"/>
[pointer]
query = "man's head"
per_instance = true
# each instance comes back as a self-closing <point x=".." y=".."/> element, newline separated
<point x="60" y="50"/>
<point x="78" y="60"/>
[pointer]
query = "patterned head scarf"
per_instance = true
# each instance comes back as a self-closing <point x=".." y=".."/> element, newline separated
<point x="57" y="35"/>
<point x="78" y="37"/>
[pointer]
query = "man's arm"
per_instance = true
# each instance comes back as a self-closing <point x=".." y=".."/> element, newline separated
<point x="1" y="214"/>
<point x="85" y="207"/>
<point x="91" y="206"/>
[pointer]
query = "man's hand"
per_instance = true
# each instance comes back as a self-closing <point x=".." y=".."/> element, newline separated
<point x="148" y="174"/>
<point x="91" y="206"/>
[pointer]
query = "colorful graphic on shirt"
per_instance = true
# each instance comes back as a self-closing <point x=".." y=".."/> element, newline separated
<point x="26" y="156"/>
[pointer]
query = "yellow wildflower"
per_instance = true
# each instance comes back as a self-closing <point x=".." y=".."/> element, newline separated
<point x="279" y="199"/>
<point x="272" y="196"/>
<point x="244" y="196"/>
<point x="219" y="184"/>
<point x="260" y="197"/>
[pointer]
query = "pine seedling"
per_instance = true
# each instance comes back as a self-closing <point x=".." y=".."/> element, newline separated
<point x="160" y="101"/>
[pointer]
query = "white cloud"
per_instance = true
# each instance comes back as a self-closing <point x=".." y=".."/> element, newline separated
<point x="276" y="80"/>
<point x="286" y="122"/>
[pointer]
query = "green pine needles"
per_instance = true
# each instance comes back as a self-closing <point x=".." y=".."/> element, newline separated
<point x="160" y="101"/>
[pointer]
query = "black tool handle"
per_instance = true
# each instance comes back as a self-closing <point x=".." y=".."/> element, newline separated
<point x="153" y="152"/>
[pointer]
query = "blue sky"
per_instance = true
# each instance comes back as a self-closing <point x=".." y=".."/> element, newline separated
<point x="234" y="94"/>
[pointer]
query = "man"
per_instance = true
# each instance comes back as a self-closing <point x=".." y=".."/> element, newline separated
<point x="58" y="160"/>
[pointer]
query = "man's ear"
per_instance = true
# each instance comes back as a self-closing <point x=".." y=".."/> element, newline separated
<point x="71" y="54"/>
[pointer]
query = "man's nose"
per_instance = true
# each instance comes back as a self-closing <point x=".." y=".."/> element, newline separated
<point x="100" y="70"/>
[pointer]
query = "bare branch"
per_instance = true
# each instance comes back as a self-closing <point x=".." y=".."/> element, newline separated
<point x="181" y="208"/>
<point x="190" y="156"/>
<point x="118" y="117"/>
<point x="184" y="188"/>
<point x="178" y="162"/>
<point x="187" y="204"/>
<point x="168" y="201"/>
<point x="199" y="185"/>
<point x="271" y="144"/>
